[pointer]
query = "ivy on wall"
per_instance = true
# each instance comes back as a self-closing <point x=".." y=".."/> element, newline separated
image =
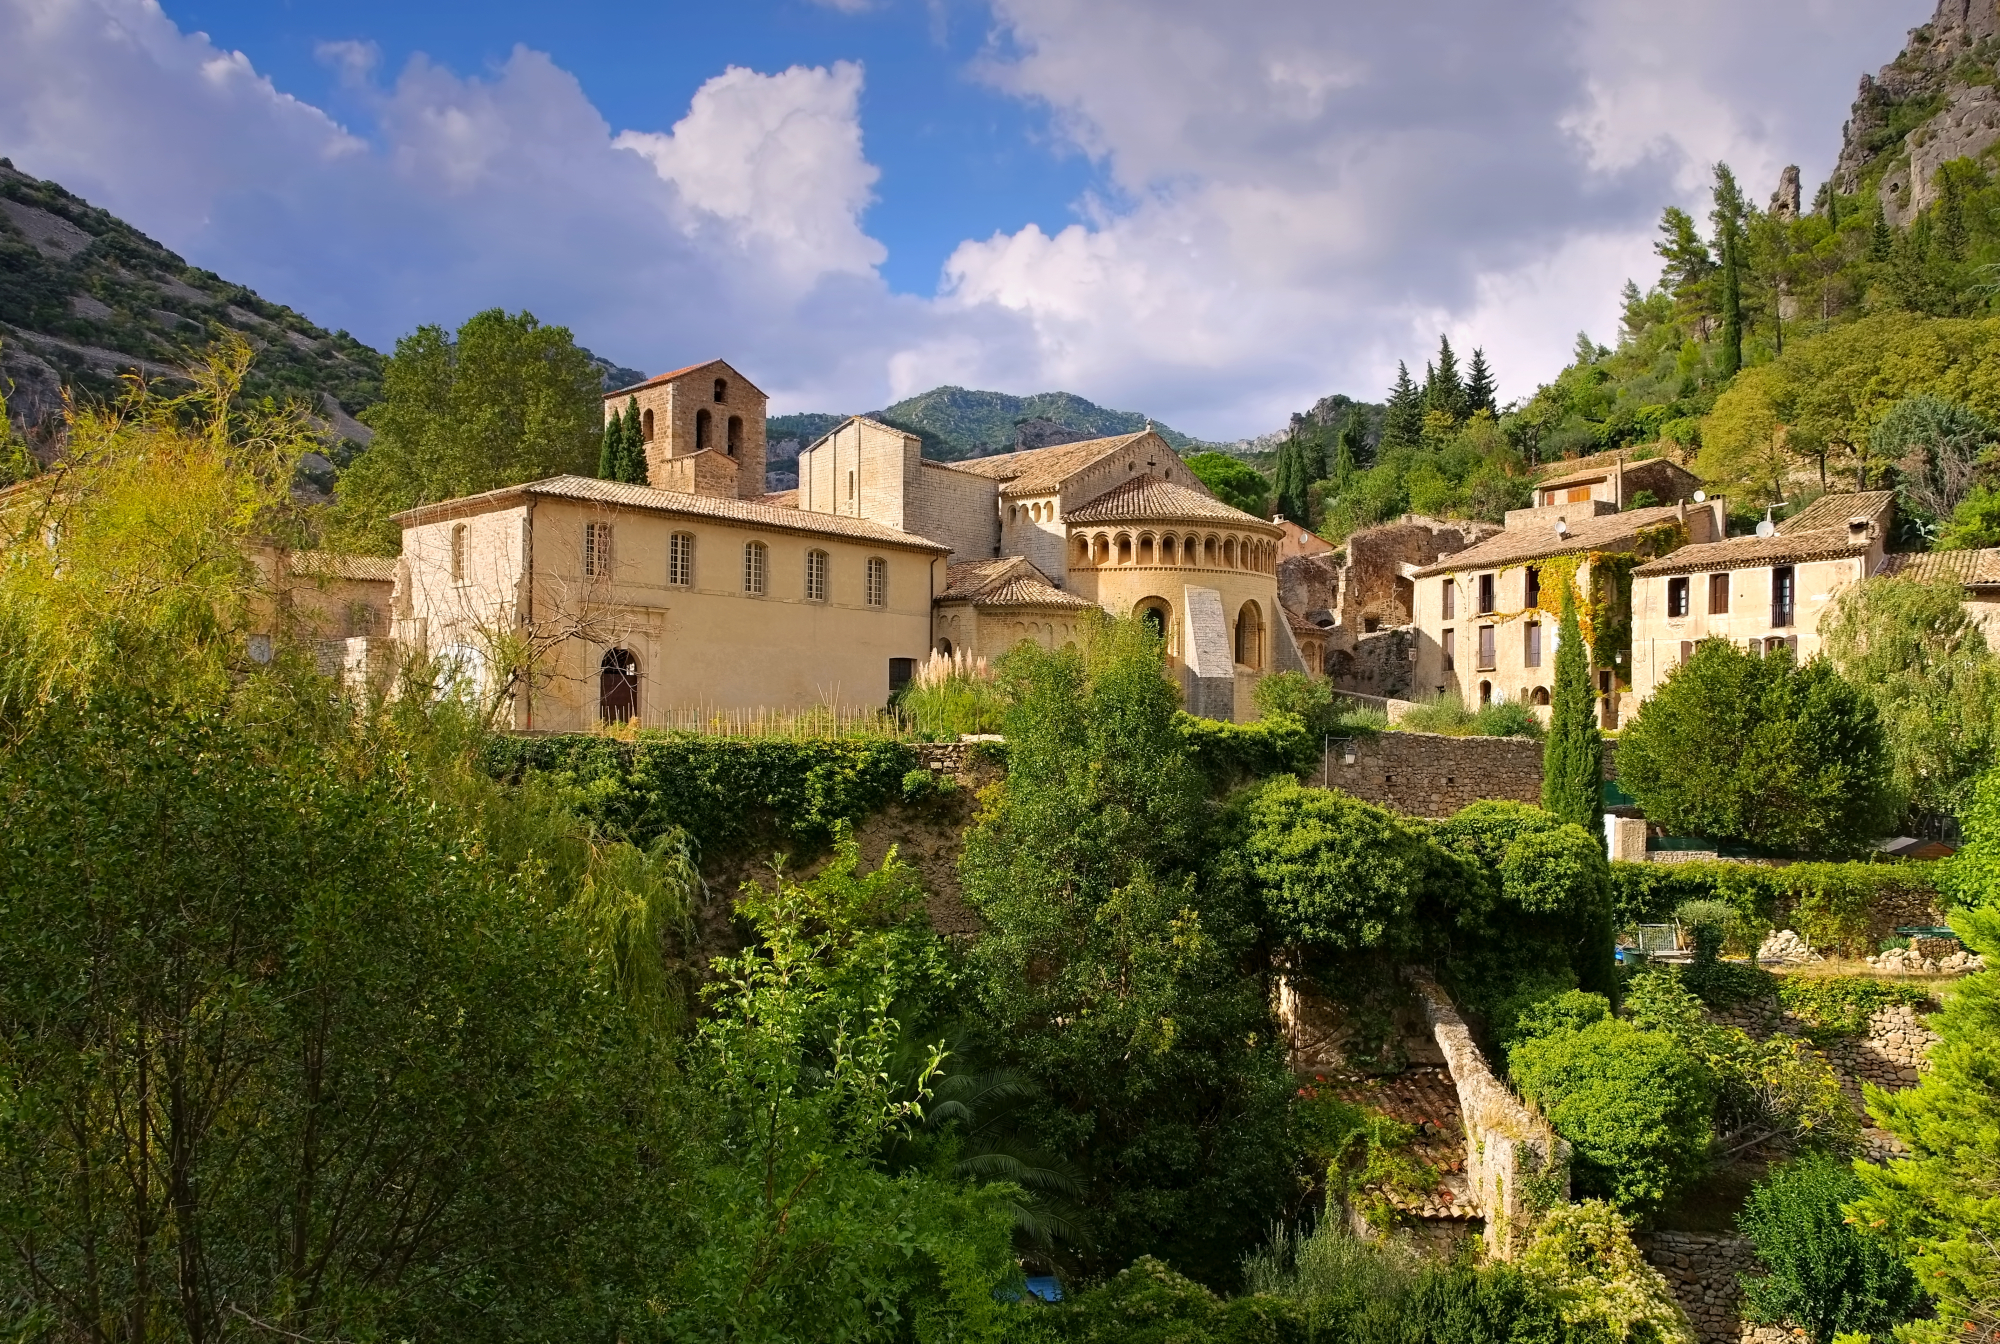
<point x="1828" y="903"/>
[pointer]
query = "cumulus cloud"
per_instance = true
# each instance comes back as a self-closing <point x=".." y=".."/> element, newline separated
<point x="1290" y="197"/>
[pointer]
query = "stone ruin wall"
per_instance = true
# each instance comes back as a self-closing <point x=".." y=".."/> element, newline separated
<point x="1428" y="775"/>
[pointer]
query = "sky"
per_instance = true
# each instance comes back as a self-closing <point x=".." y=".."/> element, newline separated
<point x="1215" y="213"/>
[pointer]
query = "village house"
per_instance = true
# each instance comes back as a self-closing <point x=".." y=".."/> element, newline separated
<point x="698" y="590"/>
<point x="1486" y="620"/>
<point x="1770" y="590"/>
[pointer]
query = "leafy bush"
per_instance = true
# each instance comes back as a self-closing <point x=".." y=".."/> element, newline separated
<point x="1335" y="874"/>
<point x="1971" y="877"/>
<point x="1773" y="1089"/>
<point x="1448" y="716"/>
<point x="1583" y="1257"/>
<point x="1760" y="750"/>
<point x="1149" y="1303"/>
<point x="1572" y="1010"/>
<point x="1708" y="923"/>
<point x="1229" y="754"/>
<point x="1841" y="1005"/>
<point x="1634" y="1105"/>
<point x="726" y="793"/>
<point x="1363" y="1154"/>
<point x="1821" y="1272"/>
<point x="1828" y="903"/>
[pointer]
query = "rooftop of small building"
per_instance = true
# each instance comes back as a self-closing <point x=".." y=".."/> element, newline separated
<point x="1974" y="569"/>
<point x="683" y="372"/>
<point x="1820" y="531"/>
<point x="618" y="494"/>
<point x="1006" y="581"/>
<point x="1514" y="546"/>
<point x="1602" y="465"/>
<point x="335" y="565"/>
<point x="1045" y="469"/>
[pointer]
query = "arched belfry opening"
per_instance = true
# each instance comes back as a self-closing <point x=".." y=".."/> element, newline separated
<point x="618" y="686"/>
<point x="646" y="425"/>
<point x="722" y="389"/>
<point x="704" y="430"/>
<point x="735" y="440"/>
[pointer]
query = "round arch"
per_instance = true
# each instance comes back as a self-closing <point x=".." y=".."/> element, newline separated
<point x="1250" y="635"/>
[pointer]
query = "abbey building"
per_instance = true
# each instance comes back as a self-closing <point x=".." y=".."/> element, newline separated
<point x="699" y="590"/>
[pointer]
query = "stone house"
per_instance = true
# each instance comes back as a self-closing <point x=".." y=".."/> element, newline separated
<point x="1612" y="479"/>
<point x="1766" y="591"/>
<point x="699" y="590"/>
<point x="1486" y="622"/>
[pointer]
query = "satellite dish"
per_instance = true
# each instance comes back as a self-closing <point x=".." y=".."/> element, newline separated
<point x="1562" y="528"/>
<point x="1701" y="496"/>
<point x="1767" y="529"/>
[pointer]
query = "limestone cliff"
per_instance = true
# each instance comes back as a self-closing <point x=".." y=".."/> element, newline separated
<point x="1935" y="102"/>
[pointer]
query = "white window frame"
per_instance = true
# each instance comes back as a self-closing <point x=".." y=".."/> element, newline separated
<point x="878" y="581"/>
<point x="756" y="568"/>
<point x="819" y="575"/>
<point x="680" y="560"/>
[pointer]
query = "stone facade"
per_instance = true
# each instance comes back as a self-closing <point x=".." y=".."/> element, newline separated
<point x="1703" y="1270"/>
<point x="1428" y="775"/>
<point x="703" y="429"/>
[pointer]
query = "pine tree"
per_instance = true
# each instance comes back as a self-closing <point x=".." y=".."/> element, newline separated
<point x="1573" y="755"/>
<point x="1403" y="423"/>
<point x="1728" y="217"/>
<point x="1443" y="390"/>
<point x="1480" y="393"/>
<point x="1881" y="241"/>
<point x="1346" y="453"/>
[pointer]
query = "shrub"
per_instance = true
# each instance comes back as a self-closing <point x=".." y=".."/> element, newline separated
<point x="1295" y="695"/>
<point x="1762" y="751"/>
<point x="1583" y="1257"/>
<point x="1708" y="922"/>
<point x="1448" y="716"/>
<point x="1361" y="1153"/>
<point x="1506" y="718"/>
<point x="952" y="695"/>
<point x="1821" y="1272"/>
<point x="1828" y="903"/>
<point x="1572" y="1010"/>
<point x="1635" y="1106"/>
<point x="1841" y="1005"/>
<point x="1335" y="874"/>
<point x="1230" y="754"/>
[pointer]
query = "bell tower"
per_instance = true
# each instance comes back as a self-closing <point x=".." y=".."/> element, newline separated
<point x="703" y="428"/>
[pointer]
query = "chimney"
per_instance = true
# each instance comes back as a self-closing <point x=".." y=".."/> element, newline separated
<point x="1858" y="529"/>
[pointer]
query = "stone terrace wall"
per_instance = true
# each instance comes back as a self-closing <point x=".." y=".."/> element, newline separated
<point x="1507" y="1145"/>
<point x="1432" y="776"/>
<point x="1702" y="1270"/>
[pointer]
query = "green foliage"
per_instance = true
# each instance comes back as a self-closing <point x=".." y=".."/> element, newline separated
<point x="16" y="462"/>
<point x="1828" y="903"/>
<point x="622" y="456"/>
<point x="1112" y="974"/>
<point x="1760" y="750"/>
<point x="1233" y="481"/>
<point x="1935" y="446"/>
<point x="957" y="422"/>
<point x="1975" y="524"/>
<point x="502" y="402"/>
<point x="1708" y="922"/>
<point x="795" y="1220"/>
<point x="1448" y="716"/>
<point x="1362" y="1154"/>
<point x="1923" y="662"/>
<point x="1229" y="754"/>
<point x="1148" y="1303"/>
<point x="727" y="793"/>
<point x="953" y="696"/>
<point x="1335" y="874"/>
<point x="1774" y="1090"/>
<point x="1583" y="1257"/>
<point x="1934" y="1203"/>
<point x="1821" y="1272"/>
<point x="1572" y="1010"/>
<point x="1841" y="1005"/>
<point x="1573" y="758"/>
<point x="1971" y="878"/>
<point x="1634" y="1105"/>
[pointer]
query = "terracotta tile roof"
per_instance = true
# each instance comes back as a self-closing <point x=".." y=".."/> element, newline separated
<point x="1833" y="511"/>
<point x="621" y="495"/>
<point x="1974" y="569"/>
<point x="333" y="565"/>
<point x="1010" y="581"/>
<point x="780" y="499"/>
<point x="1044" y="469"/>
<point x="1148" y="498"/>
<point x="963" y="578"/>
<point x="1594" y="464"/>
<point x="1756" y="552"/>
<point x="672" y="374"/>
<point x="1538" y="541"/>
<point x="1604" y="465"/>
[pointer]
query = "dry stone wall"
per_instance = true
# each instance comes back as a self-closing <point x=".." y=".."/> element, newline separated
<point x="1703" y="1270"/>
<point x="1428" y="775"/>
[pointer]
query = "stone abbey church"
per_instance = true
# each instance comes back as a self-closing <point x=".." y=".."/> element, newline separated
<point x="698" y="590"/>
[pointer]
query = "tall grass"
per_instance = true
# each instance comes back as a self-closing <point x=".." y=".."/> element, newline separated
<point x="952" y="695"/>
<point x="1449" y="716"/>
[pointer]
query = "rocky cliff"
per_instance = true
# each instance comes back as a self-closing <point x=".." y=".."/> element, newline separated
<point x="1937" y="101"/>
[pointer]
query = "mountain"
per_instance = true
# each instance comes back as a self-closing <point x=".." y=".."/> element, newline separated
<point x="85" y="296"/>
<point x="1935" y="102"/>
<point x="957" y="423"/>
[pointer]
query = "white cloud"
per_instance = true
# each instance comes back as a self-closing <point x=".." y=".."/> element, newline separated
<point x="778" y="157"/>
<point x="1294" y="194"/>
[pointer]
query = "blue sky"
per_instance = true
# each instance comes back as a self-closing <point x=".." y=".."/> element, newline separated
<point x="1211" y="212"/>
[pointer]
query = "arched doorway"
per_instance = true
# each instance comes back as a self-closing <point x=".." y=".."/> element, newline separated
<point x="1250" y="636"/>
<point x="618" y="686"/>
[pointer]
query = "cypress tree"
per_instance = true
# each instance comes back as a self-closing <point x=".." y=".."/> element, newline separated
<point x="632" y="460"/>
<point x="1728" y="217"/>
<point x="1573" y="754"/>
<point x="611" y="455"/>
<point x="1445" y="391"/>
<point x="1347" y="452"/>
<point x="1881" y="243"/>
<point x="1287" y="488"/>
<point x="1403" y="423"/>
<point x="1480" y="393"/>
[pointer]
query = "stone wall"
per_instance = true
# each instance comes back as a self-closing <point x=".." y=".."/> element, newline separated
<point x="1428" y="775"/>
<point x="1514" y="1162"/>
<point x="1702" y="1270"/>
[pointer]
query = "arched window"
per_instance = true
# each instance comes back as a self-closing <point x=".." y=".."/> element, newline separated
<point x="1100" y="550"/>
<point x="703" y="432"/>
<point x="1229" y="553"/>
<point x="722" y="389"/>
<point x="816" y="570"/>
<point x="597" y="550"/>
<point x="756" y="564"/>
<point x="735" y="441"/>
<point x="1539" y="696"/>
<point x="944" y="648"/>
<point x="617" y="686"/>
<point x="1210" y="552"/>
<point x="1146" y="548"/>
<point x="1079" y="550"/>
<point x="680" y="560"/>
<point x="458" y="553"/>
<point x="1250" y="636"/>
<point x="1155" y="615"/>
<point x="646" y="426"/>
<point x="878" y="581"/>
<point x="1124" y="548"/>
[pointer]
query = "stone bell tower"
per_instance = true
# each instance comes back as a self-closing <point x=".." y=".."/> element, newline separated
<point x="703" y="428"/>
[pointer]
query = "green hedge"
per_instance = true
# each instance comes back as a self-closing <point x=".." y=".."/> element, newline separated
<point x="1828" y="903"/>
<point x="1841" y="1005"/>
<point x="728" y="793"/>
<point x="1230" y="754"/>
